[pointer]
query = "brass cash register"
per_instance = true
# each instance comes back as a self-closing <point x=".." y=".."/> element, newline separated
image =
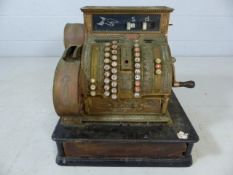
<point x="113" y="92"/>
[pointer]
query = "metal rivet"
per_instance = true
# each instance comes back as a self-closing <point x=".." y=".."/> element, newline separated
<point x="114" y="46"/>
<point x="158" y="60"/>
<point x="92" y="87"/>
<point x="137" y="54"/>
<point x="114" y="70"/>
<point x="107" y="67"/>
<point x="158" y="71"/>
<point x="137" y="49"/>
<point x="107" y="54"/>
<point x="114" y="57"/>
<point x="106" y="87"/>
<point x="137" y="71"/>
<point x="114" y="42"/>
<point x="136" y="45"/>
<point x="114" y="83"/>
<point x="137" y="59"/>
<point x="137" y="89"/>
<point x="114" y="96"/>
<point x="157" y="66"/>
<point x="92" y="80"/>
<point x="106" y="93"/>
<point x="114" y="64"/>
<point x="107" y="49"/>
<point x="137" y="77"/>
<point x="106" y="80"/>
<point x="93" y="93"/>
<point x="114" y="90"/>
<point x="136" y="94"/>
<point x="114" y="77"/>
<point x="107" y="74"/>
<point x="137" y="65"/>
<point x="106" y="60"/>
<point x="114" y="52"/>
<point x="137" y="83"/>
<point x="107" y="44"/>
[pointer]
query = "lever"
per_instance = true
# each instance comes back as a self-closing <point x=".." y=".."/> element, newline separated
<point x="187" y="84"/>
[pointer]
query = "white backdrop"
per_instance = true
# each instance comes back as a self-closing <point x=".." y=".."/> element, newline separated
<point x="35" y="27"/>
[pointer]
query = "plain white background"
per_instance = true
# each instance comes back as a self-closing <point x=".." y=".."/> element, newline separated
<point x="31" y="42"/>
<point x="35" y="27"/>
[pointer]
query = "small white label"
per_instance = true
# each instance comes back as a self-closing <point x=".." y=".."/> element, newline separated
<point x="144" y="26"/>
<point x="128" y="26"/>
<point x="182" y="135"/>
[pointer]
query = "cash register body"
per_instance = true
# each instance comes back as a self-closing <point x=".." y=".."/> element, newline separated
<point x="117" y="70"/>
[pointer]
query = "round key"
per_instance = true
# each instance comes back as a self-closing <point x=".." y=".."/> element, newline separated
<point x="106" y="93"/>
<point x="157" y="66"/>
<point x="137" y="83"/>
<point x="107" y="44"/>
<point x="137" y="49"/>
<point x="114" y="96"/>
<point x="114" y="70"/>
<point x="114" y="77"/>
<point x="107" y="67"/>
<point x="114" y="83"/>
<point x="137" y="54"/>
<point x="137" y="65"/>
<point x="136" y="94"/>
<point x="93" y="87"/>
<point x="92" y="80"/>
<point x="137" y="59"/>
<point x="107" y="54"/>
<point x="158" y="71"/>
<point x="114" y="52"/>
<point x="114" y="90"/>
<point x="114" y="64"/>
<point x="136" y="45"/>
<point x="114" y="57"/>
<point x="93" y="93"/>
<point x="137" y="77"/>
<point x="106" y="87"/>
<point x="114" y="42"/>
<point x="137" y="89"/>
<point x="158" y="60"/>
<point x="107" y="74"/>
<point x="106" y="60"/>
<point x="114" y="47"/>
<point x="137" y="71"/>
<point x="106" y="80"/>
<point x="107" y="49"/>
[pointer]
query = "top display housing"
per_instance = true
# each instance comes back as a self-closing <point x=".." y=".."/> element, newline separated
<point x="126" y="19"/>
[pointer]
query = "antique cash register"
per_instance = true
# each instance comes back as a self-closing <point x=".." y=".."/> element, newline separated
<point x="113" y="92"/>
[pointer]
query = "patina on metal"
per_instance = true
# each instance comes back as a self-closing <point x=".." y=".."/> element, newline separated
<point x="72" y="97"/>
<point x="117" y="69"/>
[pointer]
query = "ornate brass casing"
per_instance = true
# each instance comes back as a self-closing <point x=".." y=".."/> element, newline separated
<point x="117" y="67"/>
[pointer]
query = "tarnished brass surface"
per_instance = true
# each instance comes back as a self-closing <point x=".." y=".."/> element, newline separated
<point x="126" y="118"/>
<point x="80" y="89"/>
<point x="73" y="34"/>
<point x="66" y="85"/>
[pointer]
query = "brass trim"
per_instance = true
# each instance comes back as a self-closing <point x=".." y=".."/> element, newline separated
<point x="120" y="9"/>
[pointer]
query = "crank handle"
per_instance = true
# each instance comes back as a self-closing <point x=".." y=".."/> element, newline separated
<point x="187" y="84"/>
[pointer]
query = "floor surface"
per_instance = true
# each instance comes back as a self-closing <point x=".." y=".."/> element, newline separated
<point x="28" y="118"/>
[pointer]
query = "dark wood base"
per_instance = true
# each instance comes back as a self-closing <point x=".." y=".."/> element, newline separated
<point x="128" y="145"/>
<point x="129" y="162"/>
